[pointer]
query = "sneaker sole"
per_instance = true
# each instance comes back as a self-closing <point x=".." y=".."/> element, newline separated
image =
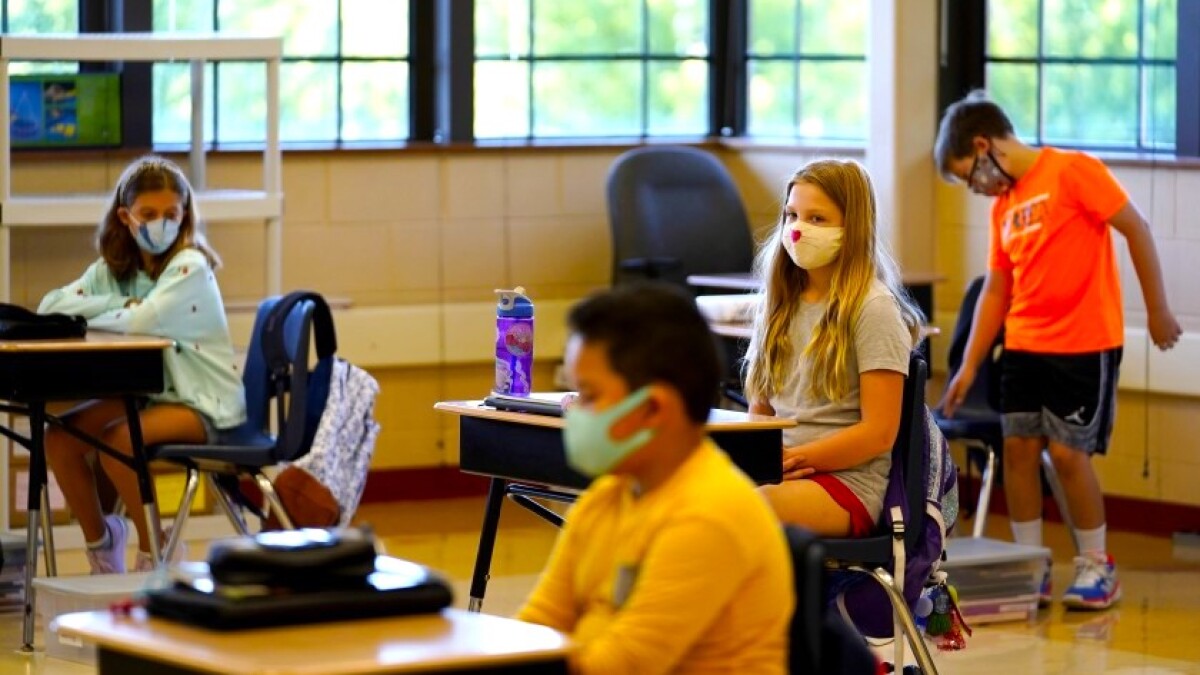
<point x="1079" y="602"/>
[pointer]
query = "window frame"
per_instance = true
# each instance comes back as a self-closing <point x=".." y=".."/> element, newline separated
<point x="964" y="60"/>
<point x="441" y="62"/>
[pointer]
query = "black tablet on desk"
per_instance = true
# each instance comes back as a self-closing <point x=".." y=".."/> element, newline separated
<point x="537" y="403"/>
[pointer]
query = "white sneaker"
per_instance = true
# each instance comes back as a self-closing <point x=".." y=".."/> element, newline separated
<point x="145" y="562"/>
<point x="111" y="559"/>
<point x="1096" y="585"/>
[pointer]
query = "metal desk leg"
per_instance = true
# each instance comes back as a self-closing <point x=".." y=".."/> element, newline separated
<point x="142" y="469"/>
<point x="487" y="542"/>
<point x="37" y="483"/>
<point x="48" y="549"/>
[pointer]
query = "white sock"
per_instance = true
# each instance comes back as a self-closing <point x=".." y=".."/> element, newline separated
<point x="1028" y="533"/>
<point x="1091" y="542"/>
<point x="103" y="543"/>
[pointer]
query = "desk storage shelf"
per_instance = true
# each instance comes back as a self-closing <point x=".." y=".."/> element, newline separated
<point x="255" y="202"/>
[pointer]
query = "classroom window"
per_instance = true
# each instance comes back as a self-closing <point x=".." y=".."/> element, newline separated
<point x="591" y="68"/>
<point x="22" y="17"/>
<point x="806" y="69"/>
<point x="1087" y="74"/>
<point x="344" y="76"/>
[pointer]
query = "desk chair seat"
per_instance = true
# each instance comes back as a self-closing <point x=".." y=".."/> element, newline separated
<point x="873" y="555"/>
<point x="259" y="442"/>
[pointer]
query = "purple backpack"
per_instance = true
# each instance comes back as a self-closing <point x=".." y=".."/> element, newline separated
<point x="858" y="597"/>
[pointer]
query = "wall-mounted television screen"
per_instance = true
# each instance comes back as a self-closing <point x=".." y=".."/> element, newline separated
<point x="72" y="110"/>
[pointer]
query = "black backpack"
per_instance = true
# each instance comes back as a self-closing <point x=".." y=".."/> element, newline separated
<point x="18" y="323"/>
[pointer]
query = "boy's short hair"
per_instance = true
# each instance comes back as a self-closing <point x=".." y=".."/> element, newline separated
<point x="974" y="115"/>
<point x="652" y="331"/>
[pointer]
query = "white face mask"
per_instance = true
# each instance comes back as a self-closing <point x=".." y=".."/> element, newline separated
<point x="156" y="236"/>
<point x="812" y="246"/>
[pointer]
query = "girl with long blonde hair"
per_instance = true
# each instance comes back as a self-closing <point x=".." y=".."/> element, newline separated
<point x="830" y="349"/>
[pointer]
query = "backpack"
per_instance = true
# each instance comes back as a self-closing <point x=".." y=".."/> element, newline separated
<point x="859" y="598"/>
<point x="18" y="323"/>
<point x="323" y="486"/>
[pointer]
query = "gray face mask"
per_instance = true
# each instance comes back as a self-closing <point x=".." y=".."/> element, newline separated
<point x="987" y="178"/>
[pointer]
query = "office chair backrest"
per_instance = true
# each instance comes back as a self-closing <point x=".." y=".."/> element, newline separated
<point x="261" y="394"/>
<point x="985" y="390"/>
<point x="675" y="211"/>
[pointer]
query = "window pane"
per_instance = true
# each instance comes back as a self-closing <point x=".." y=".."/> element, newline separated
<point x="678" y="98"/>
<point x="1091" y="29"/>
<point x="172" y="102"/>
<point x="1014" y="87"/>
<point x="678" y="27"/>
<point x="308" y="102"/>
<point x="242" y="104"/>
<point x="1090" y="105"/>
<point x="587" y="98"/>
<point x="1159" y="88"/>
<point x="833" y="27"/>
<point x="1161" y="18"/>
<point x="375" y="28"/>
<point x="832" y="100"/>
<point x="43" y="16"/>
<point x="501" y="27"/>
<point x="771" y="108"/>
<point x="1012" y="27"/>
<point x="772" y="27"/>
<point x="374" y="101"/>
<point x="502" y="99"/>
<point x="183" y="15"/>
<point x="308" y="27"/>
<point x="591" y="27"/>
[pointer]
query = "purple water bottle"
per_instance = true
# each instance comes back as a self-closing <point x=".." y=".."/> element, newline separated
<point x="514" y="343"/>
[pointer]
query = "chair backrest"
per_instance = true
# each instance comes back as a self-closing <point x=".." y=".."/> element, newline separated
<point x="262" y="396"/>
<point x="669" y="203"/>
<point x="911" y="447"/>
<point x="819" y="639"/>
<point x="985" y="390"/>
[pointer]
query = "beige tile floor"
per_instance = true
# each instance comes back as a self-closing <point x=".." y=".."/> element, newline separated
<point x="1152" y="632"/>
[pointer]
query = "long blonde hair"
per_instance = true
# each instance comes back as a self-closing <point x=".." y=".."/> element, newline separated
<point x="864" y="257"/>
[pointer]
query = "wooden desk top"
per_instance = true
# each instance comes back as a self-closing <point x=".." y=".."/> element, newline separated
<point x="451" y="639"/>
<point x="93" y="341"/>
<point x="718" y="420"/>
<point x="746" y="281"/>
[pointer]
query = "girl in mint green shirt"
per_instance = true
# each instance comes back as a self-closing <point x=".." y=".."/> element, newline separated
<point x="155" y="276"/>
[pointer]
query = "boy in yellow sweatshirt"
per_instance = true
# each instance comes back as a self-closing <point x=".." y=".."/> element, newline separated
<point x="670" y="562"/>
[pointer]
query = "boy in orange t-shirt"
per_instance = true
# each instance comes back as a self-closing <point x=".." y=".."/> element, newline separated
<point x="1052" y="283"/>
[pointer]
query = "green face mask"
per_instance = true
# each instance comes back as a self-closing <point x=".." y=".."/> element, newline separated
<point x="590" y="447"/>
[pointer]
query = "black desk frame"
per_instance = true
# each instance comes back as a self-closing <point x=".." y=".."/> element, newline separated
<point x="520" y="459"/>
<point x="31" y="379"/>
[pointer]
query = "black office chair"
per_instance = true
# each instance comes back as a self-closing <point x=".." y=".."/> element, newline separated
<point x="246" y="450"/>
<point x="820" y="640"/>
<point x="872" y="555"/>
<point x="977" y="421"/>
<point x="675" y="211"/>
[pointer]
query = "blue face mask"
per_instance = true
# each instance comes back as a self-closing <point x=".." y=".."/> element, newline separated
<point x="587" y="436"/>
<point x="156" y="236"/>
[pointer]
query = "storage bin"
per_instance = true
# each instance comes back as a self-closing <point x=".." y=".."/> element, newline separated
<point x="996" y="580"/>
<point x="62" y="595"/>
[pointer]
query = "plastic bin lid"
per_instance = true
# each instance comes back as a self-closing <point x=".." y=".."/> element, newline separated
<point x="963" y="551"/>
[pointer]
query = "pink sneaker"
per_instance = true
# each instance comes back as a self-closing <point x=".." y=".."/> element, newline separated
<point x="110" y="560"/>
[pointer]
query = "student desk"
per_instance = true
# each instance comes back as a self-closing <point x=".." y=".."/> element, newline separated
<point x="451" y="641"/>
<point x="918" y="284"/>
<point x="100" y="365"/>
<point x="516" y="449"/>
